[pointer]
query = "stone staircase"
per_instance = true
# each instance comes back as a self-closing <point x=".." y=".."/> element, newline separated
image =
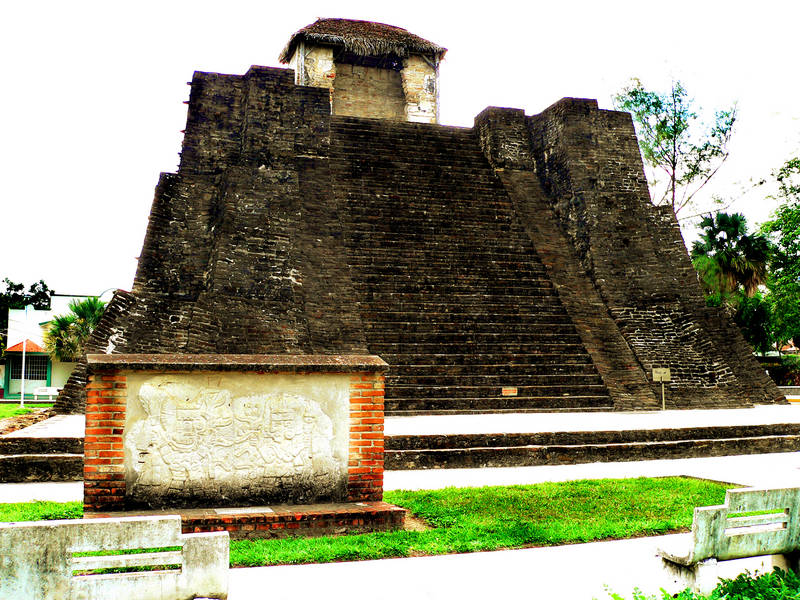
<point x="452" y="293"/>
<point x="572" y="447"/>
<point x="41" y="459"/>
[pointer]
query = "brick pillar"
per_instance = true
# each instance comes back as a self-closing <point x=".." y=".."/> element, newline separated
<point x="103" y="462"/>
<point x="365" y="465"/>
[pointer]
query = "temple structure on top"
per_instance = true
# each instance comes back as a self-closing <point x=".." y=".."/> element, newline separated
<point x="371" y="69"/>
<point x="517" y="265"/>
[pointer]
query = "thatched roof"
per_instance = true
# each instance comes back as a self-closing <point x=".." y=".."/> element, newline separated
<point x="363" y="38"/>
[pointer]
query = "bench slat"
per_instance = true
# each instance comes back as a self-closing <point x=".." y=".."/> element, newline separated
<point x="752" y="520"/>
<point x="144" y="559"/>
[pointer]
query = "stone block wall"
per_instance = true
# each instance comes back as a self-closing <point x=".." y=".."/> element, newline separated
<point x="421" y="89"/>
<point x="523" y="253"/>
<point x="192" y="430"/>
<point x="371" y="92"/>
<point x="313" y="65"/>
<point x="358" y="90"/>
<point x="588" y="164"/>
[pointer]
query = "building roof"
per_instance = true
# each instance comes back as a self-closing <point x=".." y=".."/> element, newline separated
<point x="31" y="325"/>
<point x="29" y="347"/>
<point x="364" y="38"/>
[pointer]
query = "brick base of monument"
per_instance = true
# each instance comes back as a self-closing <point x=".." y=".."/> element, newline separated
<point x="308" y="520"/>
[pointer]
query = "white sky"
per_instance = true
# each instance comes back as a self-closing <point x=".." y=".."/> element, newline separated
<point x="92" y="95"/>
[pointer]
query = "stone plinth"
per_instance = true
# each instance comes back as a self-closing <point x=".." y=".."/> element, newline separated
<point x="175" y="430"/>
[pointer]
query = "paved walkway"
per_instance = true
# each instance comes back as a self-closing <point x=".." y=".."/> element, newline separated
<point x="589" y="421"/>
<point x="575" y="572"/>
<point x="578" y="572"/>
<point x="58" y="426"/>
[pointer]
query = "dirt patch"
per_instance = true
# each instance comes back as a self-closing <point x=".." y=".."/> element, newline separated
<point x="412" y="523"/>
<point x="12" y="424"/>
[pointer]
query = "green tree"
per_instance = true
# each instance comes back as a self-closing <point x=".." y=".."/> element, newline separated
<point x="732" y="264"/>
<point x="14" y="296"/>
<point x="784" y="230"/>
<point x="728" y="259"/>
<point x="682" y="154"/>
<point x="753" y="316"/>
<point x="67" y="335"/>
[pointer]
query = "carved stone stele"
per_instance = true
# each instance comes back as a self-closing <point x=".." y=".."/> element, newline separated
<point x="236" y="439"/>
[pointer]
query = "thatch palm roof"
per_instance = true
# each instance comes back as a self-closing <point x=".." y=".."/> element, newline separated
<point x="363" y="38"/>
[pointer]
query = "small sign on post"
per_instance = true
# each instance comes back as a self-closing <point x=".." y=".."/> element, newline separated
<point x="663" y="375"/>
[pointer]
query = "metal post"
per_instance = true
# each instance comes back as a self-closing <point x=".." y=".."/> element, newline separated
<point x="22" y="374"/>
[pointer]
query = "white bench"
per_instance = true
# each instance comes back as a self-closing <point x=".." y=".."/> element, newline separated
<point x="38" y="562"/>
<point x="732" y="531"/>
<point x="45" y="391"/>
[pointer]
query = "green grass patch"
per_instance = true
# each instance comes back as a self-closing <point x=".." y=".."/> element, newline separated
<point x="13" y="410"/>
<point x="476" y="519"/>
<point x="40" y="511"/>
<point x="493" y="518"/>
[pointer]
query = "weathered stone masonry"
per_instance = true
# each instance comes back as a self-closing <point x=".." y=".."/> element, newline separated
<point x="518" y="265"/>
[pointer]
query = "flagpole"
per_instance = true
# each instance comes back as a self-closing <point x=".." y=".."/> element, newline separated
<point x="22" y="374"/>
<point x="22" y="385"/>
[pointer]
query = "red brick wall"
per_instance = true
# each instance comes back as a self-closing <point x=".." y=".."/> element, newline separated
<point x="103" y="463"/>
<point x="365" y="465"/>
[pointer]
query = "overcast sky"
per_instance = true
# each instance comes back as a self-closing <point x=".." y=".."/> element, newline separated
<point x="92" y="95"/>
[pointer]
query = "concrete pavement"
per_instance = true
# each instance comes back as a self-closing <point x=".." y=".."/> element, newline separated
<point x="574" y="572"/>
<point x="579" y="572"/>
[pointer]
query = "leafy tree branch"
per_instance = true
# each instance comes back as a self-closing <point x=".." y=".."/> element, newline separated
<point x="682" y="155"/>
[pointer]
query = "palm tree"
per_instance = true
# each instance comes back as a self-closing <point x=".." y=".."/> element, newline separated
<point x="67" y="335"/>
<point x="728" y="258"/>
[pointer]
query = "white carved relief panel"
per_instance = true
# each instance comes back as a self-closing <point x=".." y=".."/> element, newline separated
<point x="196" y="439"/>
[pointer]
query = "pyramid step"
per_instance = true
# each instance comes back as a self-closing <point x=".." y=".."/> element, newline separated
<point x="488" y="358"/>
<point x="528" y="335"/>
<point x="399" y="379"/>
<point x="494" y="391"/>
<point x="380" y="348"/>
<point x="444" y="321"/>
<point x="427" y="290"/>
<point x="495" y="404"/>
<point x="485" y="304"/>
<point x="495" y="370"/>
<point x="543" y="327"/>
<point x="493" y="280"/>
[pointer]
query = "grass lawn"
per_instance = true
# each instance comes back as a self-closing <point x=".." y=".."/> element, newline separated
<point x="40" y="511"/>
<point x="488" y="518"/>
<point x="13" y="410"/>
<point x="491" y="518"/>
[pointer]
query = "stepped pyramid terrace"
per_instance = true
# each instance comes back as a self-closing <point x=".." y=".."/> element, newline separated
<point x="517" y="265"/>
<point x="327" y="254"/>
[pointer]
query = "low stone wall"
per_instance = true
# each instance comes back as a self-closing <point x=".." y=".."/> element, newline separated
<point x="174" y="430"/>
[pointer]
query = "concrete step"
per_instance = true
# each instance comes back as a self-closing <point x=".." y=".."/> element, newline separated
<point x="17" y="468"/>
<point x="507" y="450"/>
<point x="41" y="459"/>
<point x="40" y="445"/>
<point x="280" y="521"/>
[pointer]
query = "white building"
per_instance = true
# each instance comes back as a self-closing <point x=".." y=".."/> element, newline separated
<point x="28" y="327"/>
